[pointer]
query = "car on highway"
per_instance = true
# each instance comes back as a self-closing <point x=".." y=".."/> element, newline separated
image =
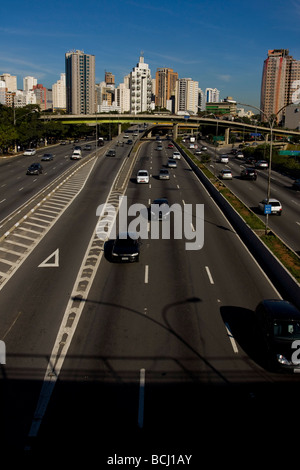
<point x="170" y="145"/>
<point x="225" y="174"/>
<point x="129" y="141"/>
<point x="164" y="174"/>
<point x="29" y="152"/>
<point x="276" y="207"/>
<point x="276" y="327"/>
<point x="125" y="136"/>
<point x="47" y="157"/>
<point x="223" y="158"/>
<point x="172" y="163"/>
<point x="87" y="147"/>
<point x="296" y="185"/>
<point x="198" y="152"/>
<point x="204" y="148"/>
<point x="262" y="164"/>
<point x="159" y="209"/>
<point x="250" y="161"/>
<point x="249" y="174"/>
<point x="34" y="169"/>
<point x="159" y="147"/>
<point x="126" y="247"/>
<point x="176" y="155"/>
<point x="142" y="176"/>
<point x="111" y="153"/>
<point x="239" y="155"/>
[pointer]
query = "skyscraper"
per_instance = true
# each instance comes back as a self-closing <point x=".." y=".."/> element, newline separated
<point x="165" y="86"/>
<point x="280" y="71"/>
<point x="186" y="96"/>
<point x="80" y="82"/>
<point x="140" y="88"/>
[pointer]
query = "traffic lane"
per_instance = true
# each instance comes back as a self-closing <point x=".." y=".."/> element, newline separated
<point x="118" y="337"/>
<point x="31" y="319"/>
<point x="245" y="286"/>
<point x="113" y="323"/>
<point x="252" y="192"/>
<point x="18" y="187"/>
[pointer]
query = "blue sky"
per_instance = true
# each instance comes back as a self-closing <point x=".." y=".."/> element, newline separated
<point x="220" y="44"/>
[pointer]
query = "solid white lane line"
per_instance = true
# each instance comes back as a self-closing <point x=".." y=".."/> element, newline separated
<point x="146" y="274"/>
<point x="233" y="343"/>
<point x="209" y="275"/>
<point x="141" y="398"/>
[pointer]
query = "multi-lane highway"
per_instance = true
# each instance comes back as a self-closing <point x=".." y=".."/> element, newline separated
<point x="287" y="227"/>
<point x="158" y="357"/>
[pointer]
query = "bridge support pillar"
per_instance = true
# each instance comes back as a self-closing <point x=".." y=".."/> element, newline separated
<point x="227" y="133"/>
<point x="119" y="128"/>
<point x="175" y="131"/>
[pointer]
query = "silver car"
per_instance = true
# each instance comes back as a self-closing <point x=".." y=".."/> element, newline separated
<point x="172" y="163"/>
<point x="164" y="174"/>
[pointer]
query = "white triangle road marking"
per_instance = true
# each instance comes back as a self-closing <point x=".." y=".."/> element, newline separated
<point x="54" y="263"/>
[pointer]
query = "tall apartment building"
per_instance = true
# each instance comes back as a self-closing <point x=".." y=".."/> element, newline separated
<point x="165" y="86"/>
<point x="280" y="71"/>
<point x="29" y="83"/>
<point x="59" y="93"/>
<point x="80" y="82"/>
<point x="10" y="81"/>
<point x="140" y="88"/>
<point x="186" y="96"/>
<point x="212" y="95"/>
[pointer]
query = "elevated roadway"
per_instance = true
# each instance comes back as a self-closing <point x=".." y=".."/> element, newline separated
<point x="170" y="121"/>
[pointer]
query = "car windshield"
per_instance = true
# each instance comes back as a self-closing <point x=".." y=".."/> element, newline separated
<point x="286" y="329"/>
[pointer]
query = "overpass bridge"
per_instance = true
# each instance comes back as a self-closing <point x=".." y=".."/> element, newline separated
<point x="173" y="122"/>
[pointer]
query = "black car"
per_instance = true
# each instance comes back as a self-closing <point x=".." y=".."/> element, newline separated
<point x="249" y="174"/>
<point x="278" y="326"/>
<point x="34" y="169"/>
<point x="126" y="247"/>
<point x="47" y="157"/>
<point x="111" y="153"/>
<point x="87" y="147"/>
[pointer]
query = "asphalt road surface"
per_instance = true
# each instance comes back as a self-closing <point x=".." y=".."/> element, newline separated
<point x="138" y="360"/>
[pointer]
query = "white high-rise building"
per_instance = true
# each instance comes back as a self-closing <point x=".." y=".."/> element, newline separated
<point x="59" y="93"/>
<point x="29" y="83"/>
<point x="140" y="88"/>
<point x="122" y="97"/>
<point x="212" y="95"/>
<point x="186" y="96"/>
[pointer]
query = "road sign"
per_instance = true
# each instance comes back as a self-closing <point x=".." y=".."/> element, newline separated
<point x="268" y="209"/>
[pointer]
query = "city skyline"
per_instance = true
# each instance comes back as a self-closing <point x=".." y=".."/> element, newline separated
<point x="219" y="45"/>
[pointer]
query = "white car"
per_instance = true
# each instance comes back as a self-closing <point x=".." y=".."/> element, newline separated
<point x="176" y="155"/>
<point x="225" y="175"/>
<point x="142" y="176"/>
<point x="276" y="207"/>
<point x="29" y="152"/>
<point x="222" y="158"/>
